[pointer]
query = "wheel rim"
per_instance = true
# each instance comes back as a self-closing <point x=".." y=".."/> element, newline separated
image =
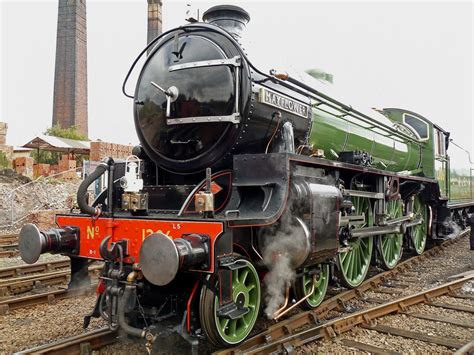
<point x="419" y="232"/>
<point x="354" y="264"/>
<point x="320" y="285"/>
<point x="245" y="292"/>
<point x="391" y="244"/>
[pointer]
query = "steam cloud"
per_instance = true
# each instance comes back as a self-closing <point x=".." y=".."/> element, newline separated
<point x="282" y="241"/>
<point x="454" y="227"/>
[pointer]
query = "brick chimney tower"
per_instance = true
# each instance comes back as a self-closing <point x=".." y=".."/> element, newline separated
<point x="155" y="23"/>
<point x="70" y="77"/>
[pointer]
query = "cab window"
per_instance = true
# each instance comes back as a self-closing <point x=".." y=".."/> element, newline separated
<point x="440" y="143"/>
<point x="419" y="126"/>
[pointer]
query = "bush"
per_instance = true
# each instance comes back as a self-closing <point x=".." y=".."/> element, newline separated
<point x="4" y="162"/>
<point x="70" y="133"/>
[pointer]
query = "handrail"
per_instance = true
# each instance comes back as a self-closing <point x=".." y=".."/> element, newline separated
<point x="339" y="106"/>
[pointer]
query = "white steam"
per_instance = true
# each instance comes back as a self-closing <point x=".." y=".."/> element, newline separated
<point x="282" y="241"/>
<point x="454" y="227"/>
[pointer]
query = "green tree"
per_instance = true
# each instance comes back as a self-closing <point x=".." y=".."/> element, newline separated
<point x="70" y="133"/>
<point x="45" y="157"/>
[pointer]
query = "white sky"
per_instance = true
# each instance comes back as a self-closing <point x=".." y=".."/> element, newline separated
<point x="414" y="55"/>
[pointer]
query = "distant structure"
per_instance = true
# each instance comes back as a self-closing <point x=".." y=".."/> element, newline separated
<point x="3" y="133"/>
<point x="70" y="77"/>
<point x="155" y="22"/>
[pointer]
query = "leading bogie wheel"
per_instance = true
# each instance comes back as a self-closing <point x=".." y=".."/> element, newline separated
<point x="354" y="264"/>
<point x="224" y="332"/>
<point x="419" y="232"/>
<point x="390" y="245"/>
<point x="316" y="281"/>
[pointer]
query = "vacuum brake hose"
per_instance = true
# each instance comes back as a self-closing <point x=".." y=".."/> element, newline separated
<point x="82" y="190"/>
<point x="123" y="300"/>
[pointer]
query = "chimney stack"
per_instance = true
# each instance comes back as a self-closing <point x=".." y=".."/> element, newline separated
<point x="70" y="77"/>
<point x="155" y="22"/>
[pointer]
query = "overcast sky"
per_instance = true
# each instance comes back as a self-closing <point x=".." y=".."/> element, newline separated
<point x="414" y="55"/>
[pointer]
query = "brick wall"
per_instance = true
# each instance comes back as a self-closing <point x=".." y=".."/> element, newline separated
<point x="101" y="150"/>
<point x="24" y="166"/>
<point x="44" y="219"/>
<point x="65" y="164"/>
<point x="40" y="170"/>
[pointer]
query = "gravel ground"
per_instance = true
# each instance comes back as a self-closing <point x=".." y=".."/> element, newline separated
<point x="370" y="337"/>
<point x="423" y="308"/>
<point x="28" y="327"/>
<point x="429" y="327"/>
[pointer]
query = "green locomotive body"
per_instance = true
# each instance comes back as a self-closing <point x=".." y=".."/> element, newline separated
<point x="388" y="149"/>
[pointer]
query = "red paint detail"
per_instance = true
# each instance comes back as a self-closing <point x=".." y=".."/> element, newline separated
<point x="92" y="232"/>
<point x="100" y="287"/>
<point x="188" y="307"/>
<point x="215" y="188"/>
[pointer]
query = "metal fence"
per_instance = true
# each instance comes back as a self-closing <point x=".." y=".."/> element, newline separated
<point x="44" y="193"/>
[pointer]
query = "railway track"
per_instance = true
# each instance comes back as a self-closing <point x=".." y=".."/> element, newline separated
<point x="283" y="337"/>
<point x="304" y="327"/>
<point x="9" y="250"/>
<point x="310" y="326"/>
<point x="6" y="239"/>
<point x="49" y="297"/>
<point x="9" y="245"/>
<point x="22" y="284"/>
<point x="26" y="269"/>
<point x="79" y="344"/>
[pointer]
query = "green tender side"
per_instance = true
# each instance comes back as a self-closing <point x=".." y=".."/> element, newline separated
<point x="336" y="134"/>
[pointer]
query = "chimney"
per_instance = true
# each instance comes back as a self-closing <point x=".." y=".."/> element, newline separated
<point x="70" y="76"/>
<point x="231" y="18"/>
<point x="155" y="22"/>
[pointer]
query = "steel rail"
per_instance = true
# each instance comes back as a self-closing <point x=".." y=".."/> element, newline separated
<point x="78" y="344"/>
<point x="330" y="329"/>
<point x="9" y="253"/>
<point x="9" y="248"/>
<point x="6" y="239"/>
<point x="466" y="349"/>
<point x="49" y="297"/>
<point x="26" y="269"/>
<point x="338" y="302"/>
<point x="27" y="283"/>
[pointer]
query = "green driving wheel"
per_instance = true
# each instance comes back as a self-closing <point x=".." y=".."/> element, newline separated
<point x="304" y="284"/>
<point x="419" y="232"/>
<point x="222" y="331"/>
<point x="390" y="245"/>
<point x="354" y="264"/>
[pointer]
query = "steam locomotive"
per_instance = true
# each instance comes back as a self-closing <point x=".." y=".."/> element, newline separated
<point x="247" y="187"/>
